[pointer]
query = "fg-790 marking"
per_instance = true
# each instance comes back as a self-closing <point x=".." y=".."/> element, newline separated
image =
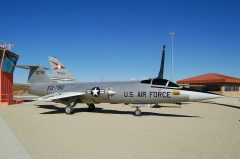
<point x="55" y="87"/>
<point x="138" y="93"/>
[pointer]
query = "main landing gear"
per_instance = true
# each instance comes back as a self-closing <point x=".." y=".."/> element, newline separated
<point x="69" y="110"/>
<point x="70" y="106"/>
<point x="91" y="107"/>
<point x="137" y="112"/>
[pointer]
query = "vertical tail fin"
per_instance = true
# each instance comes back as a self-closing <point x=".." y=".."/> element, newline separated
<point x="59" y="71"/>
<point x="161" y="71"/>
<point x="37" y="74"/>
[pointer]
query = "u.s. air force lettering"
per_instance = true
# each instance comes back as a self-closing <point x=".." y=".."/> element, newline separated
<point x="149" y="94"/>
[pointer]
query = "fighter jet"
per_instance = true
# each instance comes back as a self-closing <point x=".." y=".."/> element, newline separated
<point x="60" y="73"/>
<point x="138" y="93"/>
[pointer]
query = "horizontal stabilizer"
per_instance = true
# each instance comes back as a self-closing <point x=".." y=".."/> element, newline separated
<point x="37" y="74"/>
<point x="57" y="96"/>
<point x="30" y="66"/>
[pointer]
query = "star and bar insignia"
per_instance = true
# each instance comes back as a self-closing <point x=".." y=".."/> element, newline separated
<point x="96" y="91"/>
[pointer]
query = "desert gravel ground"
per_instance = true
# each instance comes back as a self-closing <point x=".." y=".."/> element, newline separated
<point x="192" y="130"/>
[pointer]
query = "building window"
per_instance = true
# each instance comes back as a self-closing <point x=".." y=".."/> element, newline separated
<point x="9" y="62"/>
<point x="231" y="88"/>
<point x="213" y="88"/>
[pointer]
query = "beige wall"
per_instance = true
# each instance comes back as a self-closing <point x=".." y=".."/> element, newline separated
<point x="228" y="93"/>
<point x="222" y="92"/>
<point x="232" y="93"/>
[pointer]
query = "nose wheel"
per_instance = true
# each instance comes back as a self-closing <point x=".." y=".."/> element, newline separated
<point x="138" y="112"/>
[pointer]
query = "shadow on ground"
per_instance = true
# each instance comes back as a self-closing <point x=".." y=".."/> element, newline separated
<point x="221" y="104"/>
<point x="56" y="110"/>
<point x="165" y="106"/>
<point x="227" y="105"/>
<point x="169" y="106"/>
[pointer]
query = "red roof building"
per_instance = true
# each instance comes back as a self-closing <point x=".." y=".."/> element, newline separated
<point x="214" y="82"/>
<point x="210" y="78"/>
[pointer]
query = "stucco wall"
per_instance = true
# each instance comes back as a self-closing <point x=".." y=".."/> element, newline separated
<point x="232" y="93"/>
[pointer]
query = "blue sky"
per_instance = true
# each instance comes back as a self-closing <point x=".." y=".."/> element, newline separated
<point x="122" y="39"/>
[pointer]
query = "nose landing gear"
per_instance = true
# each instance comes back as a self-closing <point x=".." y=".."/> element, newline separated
<point x="137" y="112"/>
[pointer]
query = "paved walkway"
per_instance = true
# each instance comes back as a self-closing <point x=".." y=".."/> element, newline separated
<point x="10" y="147"/>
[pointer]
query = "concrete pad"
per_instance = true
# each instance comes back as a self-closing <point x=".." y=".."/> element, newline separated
<point x="10" y="147"/>
<point x="193" y="130"/>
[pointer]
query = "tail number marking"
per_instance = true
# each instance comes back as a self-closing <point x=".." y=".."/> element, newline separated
<point x="55" y="87"/>
<point x="40" y="72"/>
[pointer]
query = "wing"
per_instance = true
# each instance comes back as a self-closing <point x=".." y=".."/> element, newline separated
<point x="59" y="96"/>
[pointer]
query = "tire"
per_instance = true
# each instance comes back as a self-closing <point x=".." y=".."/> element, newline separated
<point x="138" y="112"/>
<point x="91" y="107"/>
<point x="69" y="110"/>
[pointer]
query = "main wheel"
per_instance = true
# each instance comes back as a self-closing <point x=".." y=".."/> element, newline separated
<point x="179" y="103"/>
<point x="69" y="110"/>
<point x="91" y="107"/>
<point x="138" y="112"/>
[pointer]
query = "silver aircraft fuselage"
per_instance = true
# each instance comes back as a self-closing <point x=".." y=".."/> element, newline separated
<point x="128" y="92"/>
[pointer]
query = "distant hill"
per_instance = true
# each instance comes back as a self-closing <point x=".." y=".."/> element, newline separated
<point x="21" y="89"/>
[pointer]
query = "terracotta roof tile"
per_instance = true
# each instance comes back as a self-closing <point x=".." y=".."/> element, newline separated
<point x="210" y="78"/>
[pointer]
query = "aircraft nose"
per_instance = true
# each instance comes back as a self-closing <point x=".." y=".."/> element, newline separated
<point x="193" y="96"/>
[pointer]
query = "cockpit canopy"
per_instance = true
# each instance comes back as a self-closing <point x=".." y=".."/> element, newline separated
<point x="161" y="82"/>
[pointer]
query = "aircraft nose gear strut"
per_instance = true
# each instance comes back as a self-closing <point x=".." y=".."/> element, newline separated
<point x="138" y="112"/>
